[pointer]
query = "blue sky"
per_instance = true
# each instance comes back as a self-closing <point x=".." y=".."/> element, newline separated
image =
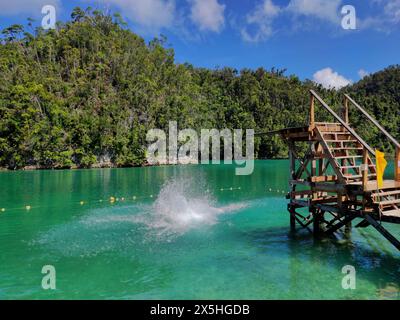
<point x="305" y="37"/>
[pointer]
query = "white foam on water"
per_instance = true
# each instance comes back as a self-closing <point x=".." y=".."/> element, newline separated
<point x="180" y="207"/>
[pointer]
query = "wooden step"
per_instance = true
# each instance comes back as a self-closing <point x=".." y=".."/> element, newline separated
<point x="388" y="202"/>
<point x="347" y="148"/>
<point x="391" y="213"/>
<point x="336" y="132"/>
<point x="357" y="176"/>
<point x="337" y="141"/>
<point x="356" y="167"/>
<point x="348" y="157"/>
<point x="385" y="194"/>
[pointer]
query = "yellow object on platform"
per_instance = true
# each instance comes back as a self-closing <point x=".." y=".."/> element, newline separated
<point x="381" y="164"/>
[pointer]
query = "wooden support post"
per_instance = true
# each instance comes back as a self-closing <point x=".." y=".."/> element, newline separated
<point x="292" y="174"/>
<point x="340" y="200"/>
<point x="340" y="224"/>
<point x="314" y="174"/>
<point x="316" y="222"/>
<point x="312" y="112"/>
<point x="364" y="169"/>
<point x="346" y="110"/>
<point x="292" y="219"/>
<point x="383" y="231"/>
<point x="348" y="228"/>
<point x="343" y="163"/>
<point x="292" y="161"/>
<point x="397" y="165"/>
<point x="321" y="167"/>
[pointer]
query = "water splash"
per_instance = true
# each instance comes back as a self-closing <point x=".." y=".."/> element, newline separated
<point x="181" y="206"/>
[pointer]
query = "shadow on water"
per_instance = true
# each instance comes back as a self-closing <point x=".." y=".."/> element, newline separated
<point x="373" y="260"/>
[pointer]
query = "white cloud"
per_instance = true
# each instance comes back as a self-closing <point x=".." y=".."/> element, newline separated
<point x="322" y="9"/>
<point x="362" y="73"/>
<point x="330" y="79"/>
<point x="208" y="15"/>
<point x="264" y="14"/>
<point x="392" y="10"/>
<point x="262" y="17"/>
<point x="151" y="15"/>
<point x="28" y="7"/>
<point x="386" y="17"/>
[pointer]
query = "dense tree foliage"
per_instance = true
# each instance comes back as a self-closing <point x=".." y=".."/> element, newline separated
<point x="86" y="94"/>
<point x="379" y="94"/>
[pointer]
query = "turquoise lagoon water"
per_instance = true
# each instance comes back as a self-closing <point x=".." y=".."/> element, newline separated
<point x="183" y="232"/>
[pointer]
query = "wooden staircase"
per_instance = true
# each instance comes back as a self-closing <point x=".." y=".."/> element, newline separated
<point x="346" y="151"/>
<point x="350" y="157"/>
<point x="387" y="201"/>
<point x="337" y="177"/>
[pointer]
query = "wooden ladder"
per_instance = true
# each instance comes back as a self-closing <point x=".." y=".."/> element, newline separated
<point x="352" y="157"/>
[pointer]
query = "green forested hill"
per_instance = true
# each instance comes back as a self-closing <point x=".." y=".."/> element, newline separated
<point x="379" y="94"/>
<point x="87" y="93"/>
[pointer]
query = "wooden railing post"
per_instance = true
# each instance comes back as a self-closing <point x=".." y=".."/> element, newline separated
<point x="364" y="169"/>
<point x="397" y="165"/>
<point x="346" y="110"/>
<point x="312" y="111"/>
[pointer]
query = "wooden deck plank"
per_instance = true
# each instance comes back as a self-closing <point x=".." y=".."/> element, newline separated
<point x="372" y="185"/>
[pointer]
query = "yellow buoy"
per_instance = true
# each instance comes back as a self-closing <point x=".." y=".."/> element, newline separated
<point x="3" y="210"/>
<point x="134" y="197"/>
<point x="82" y="203"/>
<point x="112" y="199"/>
<point x="28" y="207"/>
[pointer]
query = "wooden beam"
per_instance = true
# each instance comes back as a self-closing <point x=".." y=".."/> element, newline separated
<point x="312" y="111"/>
<point x="292" y="218"/>
<point x="317" y="222"/>
<point x="364" y="170"/>
<point x="300" y="182"/>
<point x="397" y="165"/>
<point x="383" y="231"/>
<point x="329" y="187"/>
<point x="340" y="224"/>
<point x="346" y="110"/>
<point x="323" y="179"/>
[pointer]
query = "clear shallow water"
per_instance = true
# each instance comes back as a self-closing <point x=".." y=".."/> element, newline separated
<point x="176" y="235"/>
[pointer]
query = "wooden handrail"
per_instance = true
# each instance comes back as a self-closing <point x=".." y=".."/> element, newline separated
<point x="346" y="110"/>
<point x="343" y="123"/>
<point x="397" y="165"/>
<point x="364" y="169"/>
<point x="387" y="134"/>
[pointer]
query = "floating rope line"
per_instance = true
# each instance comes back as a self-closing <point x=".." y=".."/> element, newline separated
<point x="230" y="189"/>
<point x="114" y="200"/>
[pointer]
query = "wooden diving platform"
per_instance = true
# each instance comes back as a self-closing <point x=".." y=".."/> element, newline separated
<point x="336" y="178"/>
